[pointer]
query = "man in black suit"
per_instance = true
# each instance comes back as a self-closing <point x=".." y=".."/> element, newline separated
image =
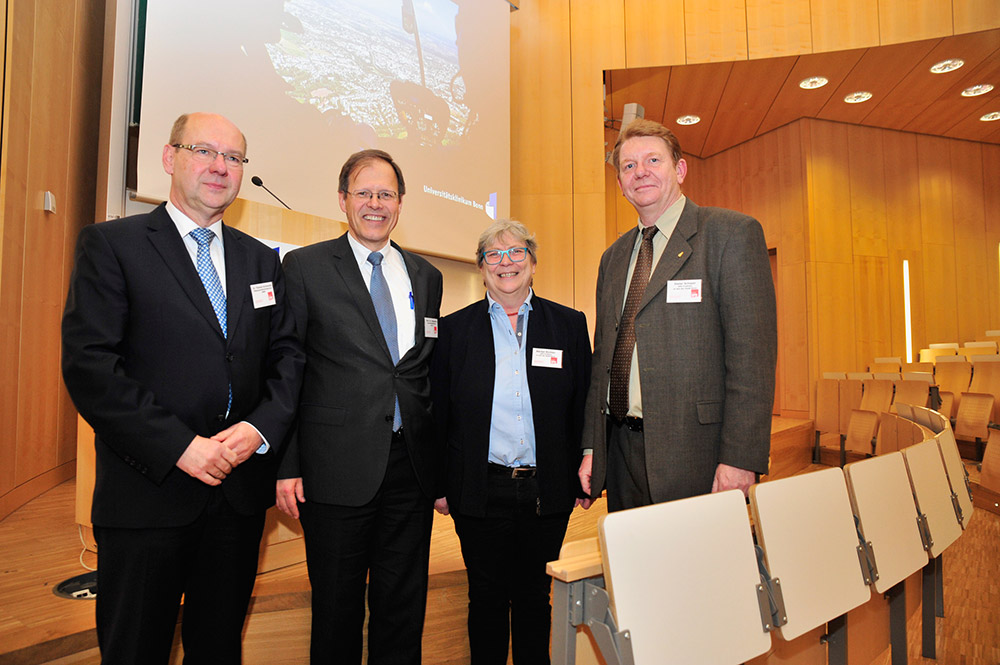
<point x="181" y="354"/>
<point x="361" y="467"/>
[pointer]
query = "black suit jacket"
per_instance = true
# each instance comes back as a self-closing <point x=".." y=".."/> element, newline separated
<point x="340" y="446"/>
<point x="463" y="373"/>
<point x="146" y="364"/>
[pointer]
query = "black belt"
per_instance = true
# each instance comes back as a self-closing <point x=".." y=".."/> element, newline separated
<point x="631" y="422"/>
<point x="513" y="471"/>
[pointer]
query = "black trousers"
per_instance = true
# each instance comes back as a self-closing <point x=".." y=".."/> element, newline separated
<point x="142" y="573"/>
<point x="387" y="541"/>
<point x="505" y="555"/>
<point x="627" y="482"/>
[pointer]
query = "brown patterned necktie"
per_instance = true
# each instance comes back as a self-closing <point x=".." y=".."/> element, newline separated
<point x="621" y="363"/>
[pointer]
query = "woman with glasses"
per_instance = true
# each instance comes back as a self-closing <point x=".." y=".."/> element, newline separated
<point x="508" y="382"/>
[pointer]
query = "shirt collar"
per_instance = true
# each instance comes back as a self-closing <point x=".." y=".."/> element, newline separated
<point x="493" y="304"/>
<point x="186" y="225"/>
<point x="668" y="220"/>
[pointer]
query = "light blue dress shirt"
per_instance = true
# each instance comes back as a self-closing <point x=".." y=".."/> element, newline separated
<point x="512" y="429"/>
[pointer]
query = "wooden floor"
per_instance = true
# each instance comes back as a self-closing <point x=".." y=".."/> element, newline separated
<point x="39" y="547"/>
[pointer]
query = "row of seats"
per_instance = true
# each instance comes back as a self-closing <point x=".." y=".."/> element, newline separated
<point x="696" y="581"/>
<point x="850" y="405"/>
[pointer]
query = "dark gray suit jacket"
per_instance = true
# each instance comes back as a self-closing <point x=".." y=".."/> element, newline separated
<point x="340" y="446"/>
<point x="706" y="369"/>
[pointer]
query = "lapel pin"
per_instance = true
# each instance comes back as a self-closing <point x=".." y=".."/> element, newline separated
<point x="680" y="255"/>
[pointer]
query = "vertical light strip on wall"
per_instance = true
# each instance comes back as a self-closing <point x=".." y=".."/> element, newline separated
<point x="906" y="310"/>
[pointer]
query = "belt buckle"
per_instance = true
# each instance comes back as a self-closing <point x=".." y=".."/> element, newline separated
<point x="522" y="472"/>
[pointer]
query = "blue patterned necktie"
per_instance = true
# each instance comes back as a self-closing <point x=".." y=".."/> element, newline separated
<point x="213" y="286"/>
<point x="382" y="300"/>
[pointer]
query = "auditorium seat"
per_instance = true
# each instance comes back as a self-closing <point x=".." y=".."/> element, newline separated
<point x="886" y="364"/>
<point x="952" y="379"/>
<point x="863" y="425"/>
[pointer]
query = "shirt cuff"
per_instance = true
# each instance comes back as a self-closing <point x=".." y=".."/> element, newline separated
<point x="264" y="447"/>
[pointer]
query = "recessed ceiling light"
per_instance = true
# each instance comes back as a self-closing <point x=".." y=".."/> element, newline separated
<point x="858" y="97"/>
<point x="990" y="117"/>
<point x="945" y="66"/>
<point x="813" y="82"/>
<point x="976" y="90"/>
<point x="688" y="120"/>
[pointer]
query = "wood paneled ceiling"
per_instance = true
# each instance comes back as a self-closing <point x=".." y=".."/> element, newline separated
<point x="740" y="100"/>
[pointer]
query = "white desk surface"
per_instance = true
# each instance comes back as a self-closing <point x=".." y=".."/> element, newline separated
<point x="883" y="501"/>
<point x="955" y="469"/>
<point x="683" y="577"/>
<point x="806" y="527"/>
<point x="933" y="493"/>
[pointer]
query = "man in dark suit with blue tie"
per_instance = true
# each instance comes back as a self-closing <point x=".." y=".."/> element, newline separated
<point x="179" y="350"/>
<point x="361" y="467"/>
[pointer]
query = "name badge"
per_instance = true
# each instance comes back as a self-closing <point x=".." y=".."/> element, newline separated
<point x="546" y="358"/>
<point x="430" y="327"/>
<point x="263" y="295"/>
<point x="684" y="290"/>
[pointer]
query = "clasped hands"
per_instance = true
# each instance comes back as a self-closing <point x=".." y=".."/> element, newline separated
<point x="210" y="460"/>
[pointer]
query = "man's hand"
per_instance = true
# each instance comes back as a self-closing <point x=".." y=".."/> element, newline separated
<point x="585" y="503"/>
<point x="208" y="460"/>
<point x="586" y="467"/>
<point x="289" y="495"/>
<point x="242" y="439"/>
<point x="729" y="477"/>
<point x="441" y="505"/>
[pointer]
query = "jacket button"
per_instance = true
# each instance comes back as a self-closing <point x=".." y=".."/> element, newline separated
<point x="388" y="419"/>
<point x="221" y="417"/>
<point x="229" y="357"/>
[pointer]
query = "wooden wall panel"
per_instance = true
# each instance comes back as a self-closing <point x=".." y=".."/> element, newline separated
<point x="715" y="181"/>
<point x="991" y="203"/>
<point x="760" y="190"/>
<point x="654" y="31"/>
<point x="939" y="296"/>
<point x="43" y="289"/>
<point x="867" y="191"/>
<point x="778" y="28"/>
<point x="793" y="230"/>
<point x="971" y="259"/>
<point x="839" y="25"/>
<point x="873" y="323"/>
<point x="828" y="192"/>
<point x="935" y="191"/>
<point x="540" y="101"/>
<point x="975" y="15"/>
<point x="17" y="117"/>
<point x="715" y="30"/>
<point x="54" y="53"/>
<point x="902" y="190"/>
<point x="793" y="334"/>
<point x="588" y="213"/>
<point x="595" y="45"/>
<point x="830" y="288"/>
<point x="537" y="212"/>
<point x="911" y="21"/>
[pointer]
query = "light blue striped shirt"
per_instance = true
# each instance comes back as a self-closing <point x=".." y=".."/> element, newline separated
<point x="512" y="430"/>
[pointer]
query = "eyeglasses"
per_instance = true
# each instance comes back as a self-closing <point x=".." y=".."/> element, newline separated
<point x="384" y="196"/>
<point x="495" y="256"/>
<point x="234" y="160"/>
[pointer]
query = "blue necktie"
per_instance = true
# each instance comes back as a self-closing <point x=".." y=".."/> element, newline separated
<point x="210" y="278"/>
<point x="382" y="300"/>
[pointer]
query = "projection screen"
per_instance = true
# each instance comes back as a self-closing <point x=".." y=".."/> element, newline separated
<point x="311" y="81"/>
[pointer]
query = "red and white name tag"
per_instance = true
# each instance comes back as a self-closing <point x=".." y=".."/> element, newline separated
<point x="684" y="290"/>
<point x="546" y="358"/>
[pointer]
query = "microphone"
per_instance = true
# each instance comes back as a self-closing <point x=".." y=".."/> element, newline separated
<point x="260" y="183"/>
